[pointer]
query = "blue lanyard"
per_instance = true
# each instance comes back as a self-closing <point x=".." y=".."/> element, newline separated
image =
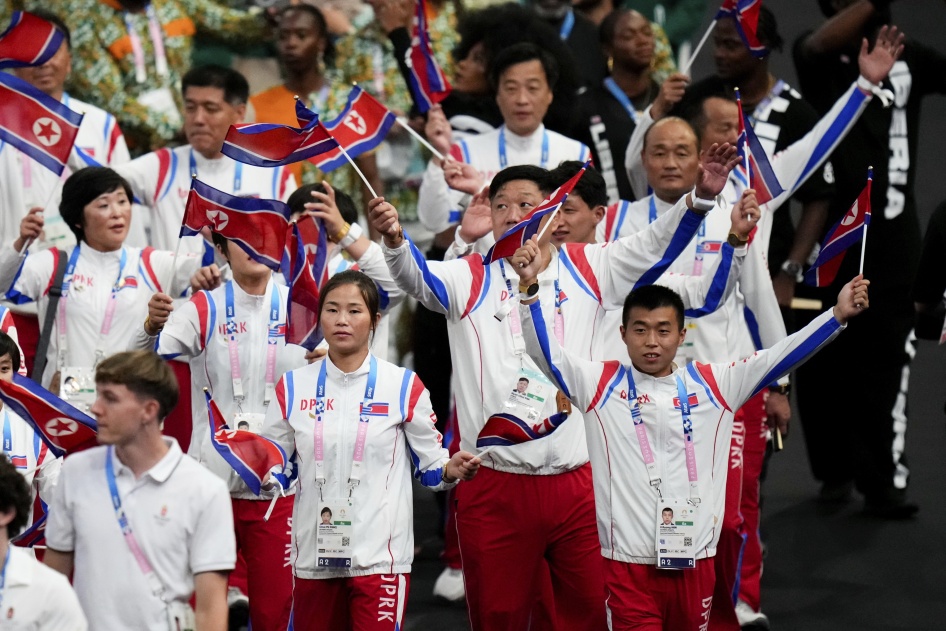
<point x="113" y="490"/>
<point x="71" y="268"/>
<point x="567" y="25"/>
<point x="7" y="434"/>
<point x="273" y="312"/>
<point x="504" y="161"/>
<point x="3" y="573"/>
<point x="621" y="98"/>
<point x="237" y="173"/>
<point x="652" y="213"/>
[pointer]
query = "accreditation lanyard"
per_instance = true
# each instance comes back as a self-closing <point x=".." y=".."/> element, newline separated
<point x="777" y="89"/>
<point x="508" y="308"/>
<point x="358" y="457"/>
<point x="567" y="25"/>
<point x="701" y="232"/>
<point x="648" y="454"/>
<point x="504" y="160"/>
<point x="62" y="320"/>
<point x="7" y="434"/>
<point x="3" y="573"/>
<point x="612" y="87"/>
<point x="138" y="51"/>
<point x="153" y="581"/>
<point x="272" y="339"/>
<point x="237" y="173"/>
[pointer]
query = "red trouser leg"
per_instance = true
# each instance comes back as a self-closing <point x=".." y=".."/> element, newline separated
<point x="451" y="544"/>
<point x="644" y="598"/>
<point x="507" y="523"/>
<point x="361" y="603"/>
<point x="265" y="547"/>
<point x="750" y="574"/>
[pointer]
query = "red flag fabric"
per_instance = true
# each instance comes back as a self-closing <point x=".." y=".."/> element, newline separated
<point x="63" y="428"/>
<point x="28" y="41"/>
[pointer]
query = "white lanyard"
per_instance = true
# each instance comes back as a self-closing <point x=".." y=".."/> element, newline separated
<point x="358" y="455"/>
<point x="764" y="103"/>
<point x="62" y="319"/>
<point x="157" y="40"/>
<point x="648" y="454"/>
<point x="272" y="338"/>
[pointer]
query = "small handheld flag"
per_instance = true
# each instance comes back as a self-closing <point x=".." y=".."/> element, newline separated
<point x="271" y="145"/>
<point x="360" y="127"/>
<point x="746" y="14"/>
<point x="62" y="427"/>
<point x="36" y="124"/>
<point x="28" y="41"/>
<point x="848" y="231"/>
<point x="308" y="270"/>
<point x="759" y="172"/>
<point x="258" y="225"/>
<point x="251" y="455"/>
<point x="515" y="237"/>
<point x="504" y="430"/>
<point x="427" y="81"/>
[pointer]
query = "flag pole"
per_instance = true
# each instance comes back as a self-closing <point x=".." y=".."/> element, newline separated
<point x="696" y="51"/>
<point x="358" y="171"/>
<point x="870" y="179"/>
<point x="177" y="252"/>
<point x="550" y="220"/>
<point x="486" y="451"/>
<point x="742" y="121"/>
<point x="403" y="123"/>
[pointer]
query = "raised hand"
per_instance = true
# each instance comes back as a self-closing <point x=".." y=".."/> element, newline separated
<point x="852" y="300"/>
<point x="527" y="261"/>
<point x="438" y="130"/>
<point x="462" y="176"/>
<point x="477" y="220"/>
<point x="715" y="165"/>
<point x="31" y="228"/>
<point x="671" y="92"/>
<point x="159" y="310"/>
<point x="887" y="49"/>
<point x="383" y="217"/>
<point x="325" y="208"/>
<point x="206" y="278"/>
<point x="745" y="214"/>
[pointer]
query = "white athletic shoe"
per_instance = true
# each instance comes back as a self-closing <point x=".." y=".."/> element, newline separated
<point x="449" y="585"/>
<point x="749" y="619"/>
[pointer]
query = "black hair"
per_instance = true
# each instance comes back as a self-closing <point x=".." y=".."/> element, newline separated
<point x="56" y="21"/>
<point x="609" y="25"/>
<point x="652" y="297"/>
<point x="521" y="53"/>
<point x="591" y="187"/>
<point x="83" y="187"/>
<point x="690" y="108"/>
<point x="9" y="347"/>
<point x="14" y="495"/>
<point x="767" y="30"/>
<point x="325" y="509"/>
<point x="369" y="292"/>
<point x="526" y="379"/>
<point x="321" y="25"/>
<point x="236" y="90"/>
<point x="303" y="195"/>
<point x="520" y="172"/>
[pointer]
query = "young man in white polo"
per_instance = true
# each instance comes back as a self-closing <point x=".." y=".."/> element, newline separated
<point x="143" y="526"/>
<point x="32" y="596"/>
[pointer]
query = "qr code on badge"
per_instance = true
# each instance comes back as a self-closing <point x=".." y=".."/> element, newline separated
<point x="688" y="541"/>
<point x="345" y="541"/>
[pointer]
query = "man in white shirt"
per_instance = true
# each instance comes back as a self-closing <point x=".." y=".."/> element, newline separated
<point x="143" y="525"/>
<point x="214" y="99"/>
<point x="34" y="597"/>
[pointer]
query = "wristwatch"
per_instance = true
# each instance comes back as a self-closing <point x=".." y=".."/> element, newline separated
<point x="736" y="241"/>
<point x="781" y="389"/>
<point x="793" y="269"/>
<point x="354" y="233"/>
<point x="529" y="290"/>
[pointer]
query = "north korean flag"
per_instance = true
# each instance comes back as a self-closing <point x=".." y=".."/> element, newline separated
<point x="746" y="14"/>
<point x="28" y="41"/>
<point x="307" y="271"/>
<point x="848" y="231"/>
<point x="761" y="175"/>
<point x="427" y="81"/>
<point x="258" y="225"/>
<point x="251" y="455"/>
<point x="361" y="126"/>
<point x="36" y="124"/>
<point x="505" y="430"/>
<point x="62" y="427"/>
<point x="271" y="145"/>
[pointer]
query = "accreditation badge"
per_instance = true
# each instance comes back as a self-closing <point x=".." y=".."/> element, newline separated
<point x="248" y="421"/>
<point x="77" y="387"/>
<point x="528" y="395"/>
<point x="334" y="533"/>
<point x="676" y="534"/>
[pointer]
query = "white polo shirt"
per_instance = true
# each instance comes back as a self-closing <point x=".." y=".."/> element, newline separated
<point x="38" y="597"/>
<point x="180" y="514"/>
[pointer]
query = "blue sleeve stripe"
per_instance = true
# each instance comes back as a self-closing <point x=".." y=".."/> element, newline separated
<point x="717" y="287"/>
<point x="563" y="257"/>
<point x="618" y="377"/>
<point x="682" y="236"/>
<point x="405" y="383"/>
<point x="753" y="323"/>
<point x="484" y="290"/>
<point x="455" y="216"/>
<point x="832" y="136"/>
<point x="543" y="335"/>
<point x="211" y="318"/>
<point x="290" y="392"/>
<point x="805" y="350"/>
<point x="465" y="150"/>
<point x="621" y="218"/>
<point x="435" y="285"/>
<point x="384" y="298"/>
<point x="15" y="296"/>
<point x="430" y="478"/>
<point x="695" y="376"/>
<point x="172" y="175"/>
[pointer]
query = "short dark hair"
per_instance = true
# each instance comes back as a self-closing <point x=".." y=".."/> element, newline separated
<point x="609" y="25"/>
<point x="521" y="53"/>
<point x="303" y="195"/>
<point x="369" y="292"/>
<point x="321" y="24"/>
<point x="519" y="172"/>
<point x="236" y="90"/>
<point x="56" y="21"/>
<point x="690" y="108"/>
<point x="15" y="495"/>
<point x="767" y="29"/>
<point x="325" y="509"/>
<point x="9" y="347"/>
<point x="591" y="187"/>
<point x="145" y="374"/>
<point x="526" y="379"/>
<point x="652" y="297"/>
<point x="83" y="187"/>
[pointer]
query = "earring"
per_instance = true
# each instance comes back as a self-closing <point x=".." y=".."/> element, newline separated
<point x="610" y="64"/>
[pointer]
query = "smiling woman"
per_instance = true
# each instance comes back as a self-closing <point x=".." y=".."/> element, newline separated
<point x="101" y="303"/>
